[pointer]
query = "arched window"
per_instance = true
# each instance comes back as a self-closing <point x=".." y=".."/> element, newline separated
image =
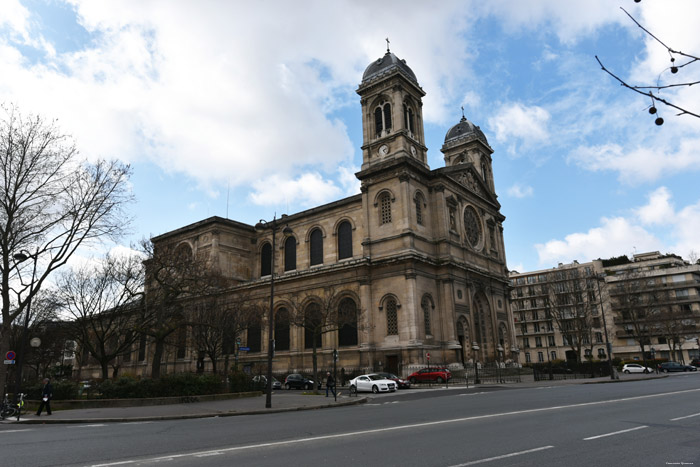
<point x="282" y="329"/>
<point x="290" y="254"/>
<point x="183" y="252"/>
<point x="266" y="260"/>
<point x="419" y="208"/>
<point x="392" y="319"/>
<point x="347" y="322"/>
<point x="316" y="247"/>
<point x="408" y="118"/>
<point x="312" y="326"/>
<point x="382" y="119"/>
<point x="484" y="171"/>
<point x="426" y="305"/>
<point x="253" y="338"/>
<point x="385" y="208"/>
<point x="344" y="240"/>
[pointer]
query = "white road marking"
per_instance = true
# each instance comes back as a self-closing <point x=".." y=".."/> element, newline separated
<point x="134" y="423"/>
<point x="86" y="426"/>
<point x="396" y="428"/>
<point x="15" y="431"/>
<point x="687" y="416"/>
<point x="616" y="433"/>
<point x="504" y="456"/>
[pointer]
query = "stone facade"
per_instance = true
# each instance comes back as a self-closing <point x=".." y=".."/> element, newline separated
<point x="663" y="288"/>
<point x="419" y="253"/>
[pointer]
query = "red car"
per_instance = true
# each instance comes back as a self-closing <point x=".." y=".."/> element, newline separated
<point x="435" y="374"/>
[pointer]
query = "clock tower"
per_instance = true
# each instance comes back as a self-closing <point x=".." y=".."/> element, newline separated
<point x="392" y="112"/>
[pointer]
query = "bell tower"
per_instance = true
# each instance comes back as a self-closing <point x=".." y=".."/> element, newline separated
<point x="392" y="112"/>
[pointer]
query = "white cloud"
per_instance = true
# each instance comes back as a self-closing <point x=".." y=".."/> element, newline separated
<point x="653" y="226"/>
<point x="309" y="189"/>
<point x="520" y="191"/>
<point x="515" y="121"/>
<point x="640" y="164"/>
<point x="614" y="237"/>
<point x="227" y="92"/>
<point x="659" y="210"/>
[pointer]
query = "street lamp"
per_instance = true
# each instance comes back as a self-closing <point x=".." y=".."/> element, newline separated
<point x="475" y="348"/>
<point x="20" y="258"/>
<point x="500" y="360"/>
<point x="653" y="357"/>
<point x="608" y="345"/>
<point x="274" y="224"/>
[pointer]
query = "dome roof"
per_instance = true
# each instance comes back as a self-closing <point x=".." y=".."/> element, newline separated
<point x="464" y="129"/>
<point x="389" y="62"/>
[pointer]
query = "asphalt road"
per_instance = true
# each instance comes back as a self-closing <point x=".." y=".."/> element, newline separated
<point x="641" y="423"/>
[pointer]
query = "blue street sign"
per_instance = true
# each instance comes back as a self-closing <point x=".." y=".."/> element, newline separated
<point x="244" y="349"/>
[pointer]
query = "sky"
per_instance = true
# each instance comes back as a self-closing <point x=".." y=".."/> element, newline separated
<point x="248" y="109"/>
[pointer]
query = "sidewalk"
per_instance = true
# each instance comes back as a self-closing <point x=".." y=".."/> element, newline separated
<point x="282" y="401"/>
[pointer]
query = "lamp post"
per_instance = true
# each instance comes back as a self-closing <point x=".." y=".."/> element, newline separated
<point x="608" y="345"/>
<point x="21" y="257"/>
<point x="274" y="224"/>
<point x="475" y="348"/>
<point x="653" y="357"/>
<point x="500" y="359"/>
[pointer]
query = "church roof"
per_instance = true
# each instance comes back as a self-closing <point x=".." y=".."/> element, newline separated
<point x="388" y="63"/>
<point x="465" y="129"/>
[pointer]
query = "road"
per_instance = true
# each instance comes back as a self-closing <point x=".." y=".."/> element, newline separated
<point x="641" y="423"/>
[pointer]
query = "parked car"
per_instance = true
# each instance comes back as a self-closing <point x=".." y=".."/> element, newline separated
<point x="636" y="368"/>
<point x="262" y="380"/>
<point x="400" y="383"/>
<point x="372" y="382"/>
<point x="675" y="366"/>
<point x="695" y="362"/>
<point x="297" y="381"/>
<point x="435" y="374"/>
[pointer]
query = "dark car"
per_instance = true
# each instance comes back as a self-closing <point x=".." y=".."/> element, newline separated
<point x="436" y="374"/>
<point x="695" y="362"/>
<point x="675" y="366"/>
<point x="400" y="383"/>
<point x="297" y="381"/>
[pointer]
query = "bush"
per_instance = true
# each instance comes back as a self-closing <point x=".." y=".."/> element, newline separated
<point x="62" y="390"/>
<point x="183" y="384"/>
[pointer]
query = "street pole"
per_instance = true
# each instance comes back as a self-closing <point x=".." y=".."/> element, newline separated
<point x="335" y="374"/>
<point x="475" y="348"/>
<point x="21" y="257"/>
<point x="271" y="321"/>
<point x="608" y="345"/>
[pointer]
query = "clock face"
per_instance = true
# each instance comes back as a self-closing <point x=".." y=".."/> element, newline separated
<point x="413" y="150"/>
<point x="383" y="150"/>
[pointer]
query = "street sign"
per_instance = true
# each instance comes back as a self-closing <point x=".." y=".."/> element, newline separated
<point x="10" y="355"/>
<point x="428" y="356"/>
<point x="244" y="349"/>
<point x="9" y="362"/>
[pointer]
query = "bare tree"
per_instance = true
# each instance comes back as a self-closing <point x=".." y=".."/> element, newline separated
<point x="51" y="203"/>
<point x="322" y="313"/>
<point x="176" y="281"/>
<point x="634" y="297"/>
<point x="654" y="91"/>
<point x="102" y="303"/>
<point x="567" y="303"/>
<point x="217" y="321"/>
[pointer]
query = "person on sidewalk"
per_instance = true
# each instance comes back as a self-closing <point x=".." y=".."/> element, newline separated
<point x="330" y="383"/>
<point x="46" y="395"/>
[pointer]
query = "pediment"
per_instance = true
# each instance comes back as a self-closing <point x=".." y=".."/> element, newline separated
<point x="467" y="176"/>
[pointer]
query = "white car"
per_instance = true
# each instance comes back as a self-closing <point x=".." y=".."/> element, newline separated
<point x="635" y="368"/>
<point x="373" y="383"/>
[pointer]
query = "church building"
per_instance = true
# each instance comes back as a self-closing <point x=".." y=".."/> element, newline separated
<point x="416" y="259"/>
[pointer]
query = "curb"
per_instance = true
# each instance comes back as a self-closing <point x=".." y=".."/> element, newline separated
<point x="56" y="421"/>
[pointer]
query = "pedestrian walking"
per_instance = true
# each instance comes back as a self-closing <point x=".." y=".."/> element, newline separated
<point x="46" y="395"/>
<point x="330" y="384"/>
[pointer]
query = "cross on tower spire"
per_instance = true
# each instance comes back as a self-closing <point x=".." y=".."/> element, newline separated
<point x="387" y="45"/>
